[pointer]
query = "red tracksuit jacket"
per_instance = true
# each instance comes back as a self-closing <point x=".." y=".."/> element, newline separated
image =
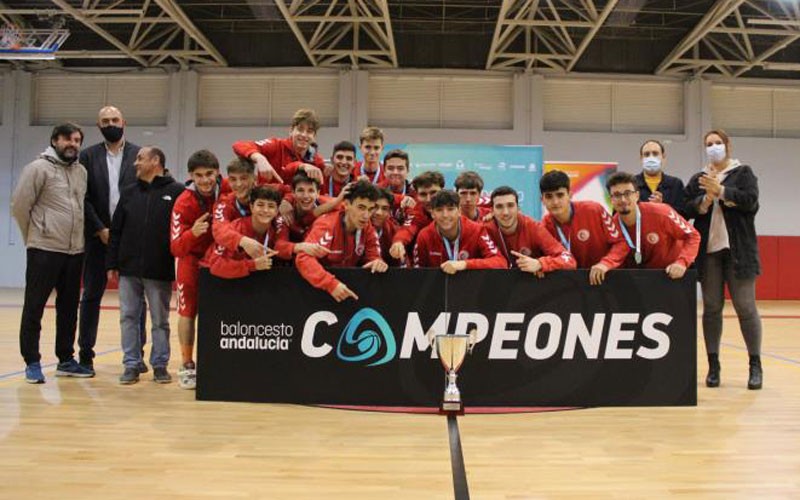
<point x="592" y="236"/>
<point x="331" y="187"/>
<point x="189" y="207"/>
<point x="475" y="246"/>
<point x="385" y="236"/>
<point x="280" y="154"/>
<point x="398" y="213"/>
<point x="227" y="263"/>
<point x="346" y="250"/>
<point x="226" y="210"/>
<point x="357" y="173"/>
<point x="533" y="240"/>
<point x="666" y="238"/>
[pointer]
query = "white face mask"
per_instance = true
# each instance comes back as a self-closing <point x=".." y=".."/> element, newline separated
<point x="651" y="164"/>
<point x="715" y="153"/>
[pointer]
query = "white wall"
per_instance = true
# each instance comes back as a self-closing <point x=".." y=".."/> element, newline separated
<point x="775" y="160"/>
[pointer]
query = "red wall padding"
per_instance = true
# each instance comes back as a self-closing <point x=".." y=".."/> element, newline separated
<point x="788" y="267"/>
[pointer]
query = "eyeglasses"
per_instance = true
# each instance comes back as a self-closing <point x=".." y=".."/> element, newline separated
<point x="623" y="195"/>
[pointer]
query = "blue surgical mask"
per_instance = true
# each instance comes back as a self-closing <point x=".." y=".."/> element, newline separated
<point x="651" y="164"/>
<point x="715" y="153"/>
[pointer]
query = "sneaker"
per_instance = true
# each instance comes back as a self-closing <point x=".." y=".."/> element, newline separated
<point x="187" y="376"/>
<point x="142" y="367"/>
<point x="71" y="368"/>
<point x="161" y="376"/>
<point x="129" y="376"/>
<point x="33" y="373"/>
<point x="88" y="367"/>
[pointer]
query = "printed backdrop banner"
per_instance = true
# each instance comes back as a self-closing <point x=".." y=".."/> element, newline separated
<point x="516" y="166"/>
<point x="587" y="179"/>
<point x="552" y="342"/>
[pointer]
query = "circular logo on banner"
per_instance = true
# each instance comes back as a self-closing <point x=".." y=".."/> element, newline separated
<point x="525" y="251"/>
<point x="360" y="250"/>
<point x="463" y="255"/>
<point x="583" y="235"/>
<point x="652" y="238"/>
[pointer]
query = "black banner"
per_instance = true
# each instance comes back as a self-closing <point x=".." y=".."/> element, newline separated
<point x="555" y="341"/>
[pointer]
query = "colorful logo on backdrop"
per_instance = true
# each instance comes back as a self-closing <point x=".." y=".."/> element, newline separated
<point x="587" y="179"/>
<point x="357" y="345"/>
<point x="516" y="166"/>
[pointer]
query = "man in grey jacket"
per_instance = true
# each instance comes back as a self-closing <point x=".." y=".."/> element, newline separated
<point x="48" y="206"/>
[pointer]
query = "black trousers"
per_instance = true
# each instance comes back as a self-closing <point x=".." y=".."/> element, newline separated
<point x="45" y="271"/>
<point x="94" y="287"/>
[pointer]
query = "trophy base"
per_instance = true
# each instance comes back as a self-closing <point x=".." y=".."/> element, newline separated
<point x="452" y="407"/>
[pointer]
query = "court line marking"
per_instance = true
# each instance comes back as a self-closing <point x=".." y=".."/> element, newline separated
<point x="763" y="354"/>
<point x="8" y="375"/>
<point x="460" y="486"/>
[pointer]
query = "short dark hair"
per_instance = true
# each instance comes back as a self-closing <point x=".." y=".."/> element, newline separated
<point x="65" y="130"/>
<point x="344" y="146"/>
<point x="397" y="153"/>
<point x="265" y="193"/>
<point x="553" y="181"/>
<point x="469" y="180"/>
<point x="444" y="198"/>
<point x="362" y="189"/>
<point x="241" y="166"/>
<point x="654" y="141"/>
<point x="302" y="178"/>
<point x="202" y="159"/>
<point x="620" y="178"/>
<point x="428" y="179"/>
<point x="387" y="195"/>
<point x="154" y="151"/>
<point x="503" y="191"/>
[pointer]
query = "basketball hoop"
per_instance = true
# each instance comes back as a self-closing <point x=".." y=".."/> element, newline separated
<point x="19" y="43"/>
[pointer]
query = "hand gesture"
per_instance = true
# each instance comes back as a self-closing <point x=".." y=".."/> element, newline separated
<point x="341" y="292"/>
<point x="675" y="271"/>
<point x="251" y="247"/>
<point x="656" y="197"/>
<point x="376" y="266"/>
<point x="397" y="250"/>
<point x="597" y="274"/>
<point x="527" y="264"/>
<point x="201" y="225"/>
<point x="312" y="172"/>
<point x="264" y="168"/>
<point x="453" y="266"/>
<point x="312" y="249"/>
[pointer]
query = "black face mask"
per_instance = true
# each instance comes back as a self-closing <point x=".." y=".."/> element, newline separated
<point x="112" y="133"/>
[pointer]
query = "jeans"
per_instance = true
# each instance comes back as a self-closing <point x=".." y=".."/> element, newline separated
<point x="94" y="286"/>
<point x="45" y="271"/>
<point x="132" y="291"/>
<point x="718" y="270"/>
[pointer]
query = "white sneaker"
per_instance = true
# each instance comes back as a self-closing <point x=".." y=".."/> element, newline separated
<point x="187" y="377"/>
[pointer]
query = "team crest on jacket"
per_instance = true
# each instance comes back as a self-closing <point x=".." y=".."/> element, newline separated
<point x="652" y="238"/>
<point x="360" y="249"/>
<point x="525" y="251"/>
<point x="583" y="235"/>
<point x="463" y="255"/>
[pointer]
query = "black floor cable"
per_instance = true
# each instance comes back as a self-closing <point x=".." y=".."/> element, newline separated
<point x="460" y="486"/>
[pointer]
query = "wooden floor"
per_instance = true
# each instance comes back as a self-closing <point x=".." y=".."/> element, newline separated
<point x="95" y="439"/>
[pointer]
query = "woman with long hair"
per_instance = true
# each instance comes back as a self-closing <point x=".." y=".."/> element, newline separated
<point x="723" y="200"/>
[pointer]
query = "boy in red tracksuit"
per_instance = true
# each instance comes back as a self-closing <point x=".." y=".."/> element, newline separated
<point x="263" y="226"/>
<point x="349" y="240"/>
<point x="426" y="184"/>
<point x="371" y="144"/>
<point x="453" y="242"/>
<point x="584" y="228"/>
<point x="469" y="186"/>
<point x="396" y="165"/>
<point x="525" y="243"/>
<point x="278" y="160"/>
<point x="343" y="160"/>
<point x="190" y="238"/>
<point x="385" y="225"/>
<point x="233" y="205"/>
<point x="658" y="237"/>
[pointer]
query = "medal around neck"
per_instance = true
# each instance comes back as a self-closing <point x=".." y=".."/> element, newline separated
<point x="452" y="350"/>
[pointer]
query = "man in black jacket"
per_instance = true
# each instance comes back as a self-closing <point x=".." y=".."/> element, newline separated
<point x="139" y="256"/>
<point x="654" y="185"/>
<point x="110" y="169"/>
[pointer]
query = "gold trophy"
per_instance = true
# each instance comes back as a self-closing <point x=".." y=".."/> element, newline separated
<point x="452" y="349"/>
